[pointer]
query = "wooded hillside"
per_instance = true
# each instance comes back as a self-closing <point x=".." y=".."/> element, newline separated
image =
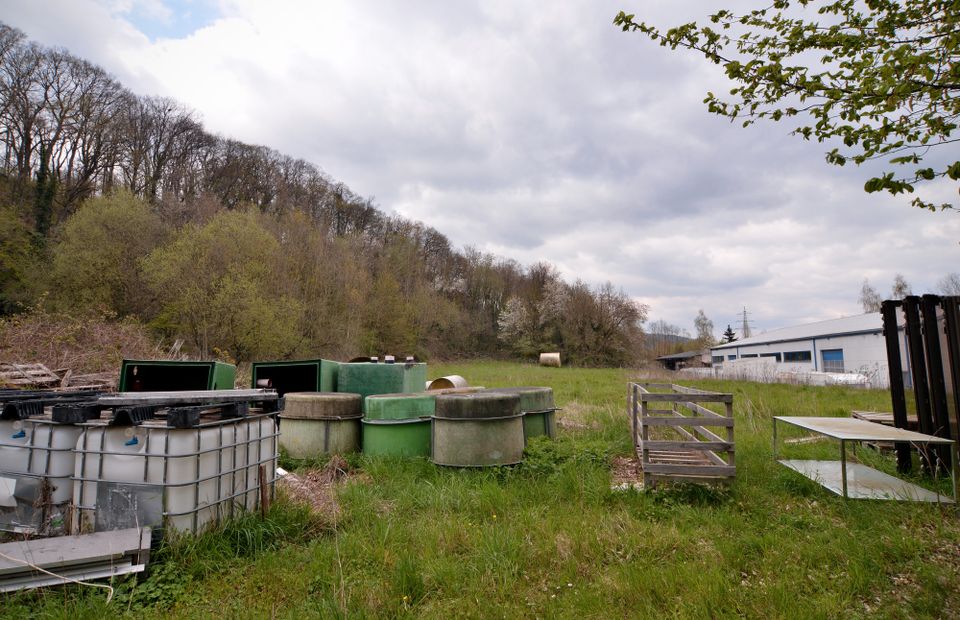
<point x="125" y="206"/>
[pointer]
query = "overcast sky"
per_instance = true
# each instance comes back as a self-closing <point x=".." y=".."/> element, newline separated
<point x="536" y="131"/>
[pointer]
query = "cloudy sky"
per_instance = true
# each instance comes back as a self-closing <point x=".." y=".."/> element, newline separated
<point x="536" y="131"/>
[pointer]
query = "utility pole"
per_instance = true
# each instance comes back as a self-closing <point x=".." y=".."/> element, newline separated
<point x="745" y="330"/>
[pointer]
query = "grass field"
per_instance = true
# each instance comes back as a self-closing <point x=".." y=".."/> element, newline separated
<point x="550" y="539"/>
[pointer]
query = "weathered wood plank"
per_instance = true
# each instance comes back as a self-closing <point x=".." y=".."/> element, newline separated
<point x="682" y="421"/>
<point x="688" y="445"/>
<point x="673" y="398"/>
<point x="694" y="407"/>
<point x="692" y="470"/>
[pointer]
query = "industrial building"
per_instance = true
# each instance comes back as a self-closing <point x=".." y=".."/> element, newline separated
<point x="852" y="344"/>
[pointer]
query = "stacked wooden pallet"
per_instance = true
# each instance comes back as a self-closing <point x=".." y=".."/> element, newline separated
<point x="27" y="375"/>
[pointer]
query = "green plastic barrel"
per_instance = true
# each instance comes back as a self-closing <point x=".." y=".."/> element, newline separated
<point x="477" y="430"/>
<point x="318" y="423"/>
<point x="538" y="409"/>
<point x="407" y="438"/>
<point x="399" y="406"/>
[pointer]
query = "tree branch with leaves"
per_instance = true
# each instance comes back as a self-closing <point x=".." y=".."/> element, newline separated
<point x="879" y="77"/>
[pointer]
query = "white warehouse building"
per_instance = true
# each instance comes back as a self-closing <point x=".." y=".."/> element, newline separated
<point x="849" y="345"/>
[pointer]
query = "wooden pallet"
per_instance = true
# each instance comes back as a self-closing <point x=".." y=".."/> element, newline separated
<point x="24" y="375"/>
<point x="885" y="418"/>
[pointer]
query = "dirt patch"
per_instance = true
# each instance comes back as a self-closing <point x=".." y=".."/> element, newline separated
<point x="575" y="416"/>
<point x="626" y="473"/>
<point x="318" y="487"/>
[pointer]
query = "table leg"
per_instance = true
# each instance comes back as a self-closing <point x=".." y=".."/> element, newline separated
<point x="774" y="439"/>
<point x="843" y="466"/>
<point x="953" y="471"/>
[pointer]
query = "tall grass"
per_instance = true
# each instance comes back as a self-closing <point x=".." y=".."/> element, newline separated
<point x="549" y="538"/>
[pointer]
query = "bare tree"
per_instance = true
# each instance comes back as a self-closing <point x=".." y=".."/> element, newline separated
<point x="949" y="284"/>
<point x="869" y="297"/>
<point x="900" y="287"/>
<point x="704" y="327"/>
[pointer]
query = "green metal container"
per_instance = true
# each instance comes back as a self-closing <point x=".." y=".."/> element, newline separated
<point x="539" y="424"/>
<point x="406" y="438"/>
<point x="318" y="423"/>
<point x="478" y="442"/>
<point x="477" y="430"/>
<point x="538" y="409"/>
<point x="175" y="376"/>
<point x="399" y="406"/>
<point x="367" y="378"/>
<point x="296" y="376"/>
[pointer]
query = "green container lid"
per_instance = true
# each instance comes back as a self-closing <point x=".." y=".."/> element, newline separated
<point x="320" y="406"/>
<point x="399" y="406"/>
<point x="478" y="405"/>
<point x="407" y="438"/>
<point x="532" y="399"/>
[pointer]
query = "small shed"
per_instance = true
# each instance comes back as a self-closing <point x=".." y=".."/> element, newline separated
<point x="687" y="359"/>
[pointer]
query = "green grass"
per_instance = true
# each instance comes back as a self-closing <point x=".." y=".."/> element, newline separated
<point x="549" y="538"/>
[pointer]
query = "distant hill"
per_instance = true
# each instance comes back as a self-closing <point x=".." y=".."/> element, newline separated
<point x="116" y="203"/>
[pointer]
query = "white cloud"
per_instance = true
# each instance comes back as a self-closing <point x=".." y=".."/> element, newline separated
<point x="538" y="133"/>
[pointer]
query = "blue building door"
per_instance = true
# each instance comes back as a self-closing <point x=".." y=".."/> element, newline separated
<point x="832" y="360"/>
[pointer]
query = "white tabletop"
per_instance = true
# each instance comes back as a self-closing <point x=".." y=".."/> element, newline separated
<point x="858" y="430"/>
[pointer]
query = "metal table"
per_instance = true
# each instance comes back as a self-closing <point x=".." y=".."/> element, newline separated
<point x="856" y="480"/>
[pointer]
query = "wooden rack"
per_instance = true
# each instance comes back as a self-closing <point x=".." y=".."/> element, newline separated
<point x="672" y="437"/>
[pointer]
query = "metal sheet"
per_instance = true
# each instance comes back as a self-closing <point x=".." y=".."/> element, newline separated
<point x="90" y="556"/>
<point x="863" y="482"/>
<point x="858" y="430"/>
<point x="196" y="396"/>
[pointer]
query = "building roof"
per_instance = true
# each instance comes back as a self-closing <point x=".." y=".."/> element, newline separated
<point x="681" y="356"/>
<point x="860" y="324"/>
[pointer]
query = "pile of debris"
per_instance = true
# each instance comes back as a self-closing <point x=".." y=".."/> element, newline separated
<point x="37" y="376"/>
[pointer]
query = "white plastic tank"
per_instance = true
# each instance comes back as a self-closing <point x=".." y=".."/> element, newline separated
<point x="149" y="474"/>
<point x="36" y="463"/>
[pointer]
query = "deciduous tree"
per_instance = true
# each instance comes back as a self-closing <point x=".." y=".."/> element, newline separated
<point x="869" y="297"/>
<point x="949" y="284"/>
<point x="874" y="79"/>
<point x="900" y="288"/>
<point x="704" y="327"/>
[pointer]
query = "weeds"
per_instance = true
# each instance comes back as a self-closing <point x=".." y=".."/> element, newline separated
<point x="548" y="538"/>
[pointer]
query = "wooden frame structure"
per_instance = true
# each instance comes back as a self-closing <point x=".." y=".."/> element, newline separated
<point x="693" y="453"/>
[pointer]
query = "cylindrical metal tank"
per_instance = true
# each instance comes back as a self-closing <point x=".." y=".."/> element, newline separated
<point x="408" y="438"/>
<point x="538" y="409"/>
<point x="319" y="423"/>
<point x="479" y="429"/>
